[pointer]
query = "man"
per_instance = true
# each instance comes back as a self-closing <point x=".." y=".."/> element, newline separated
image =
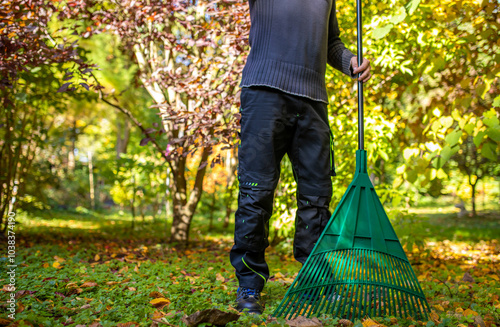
<point x="284" y="110"/>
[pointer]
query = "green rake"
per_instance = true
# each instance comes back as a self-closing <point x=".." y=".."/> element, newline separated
<point x="358" y="267"/>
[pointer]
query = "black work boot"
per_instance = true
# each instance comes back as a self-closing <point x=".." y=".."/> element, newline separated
<point x="248" y="300"/>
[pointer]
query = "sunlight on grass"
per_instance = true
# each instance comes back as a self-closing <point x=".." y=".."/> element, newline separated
<point x="34" y="222"/>
<point x="430" y="210"/>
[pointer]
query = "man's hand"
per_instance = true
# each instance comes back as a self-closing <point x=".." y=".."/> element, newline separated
<point x="365" y="68"/>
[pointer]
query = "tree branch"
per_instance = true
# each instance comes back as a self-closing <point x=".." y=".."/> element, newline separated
<point x="137" y="123"/>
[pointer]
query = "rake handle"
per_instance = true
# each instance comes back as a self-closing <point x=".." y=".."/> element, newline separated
<point x="361" y="128"/>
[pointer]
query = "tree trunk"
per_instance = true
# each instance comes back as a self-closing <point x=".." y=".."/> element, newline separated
<point x="211" y="215"/>
<point x="231" y="165"/>
<point x="184" y="207"/>
<point x="122" y="137"/>
<point x="229" y="203"/>
<point x="141" y="211"/>
<point x="132" y="202"/>
<point x="91" y="181"/>
<point x="71" y="152"/>
<point x="473" y="198"/>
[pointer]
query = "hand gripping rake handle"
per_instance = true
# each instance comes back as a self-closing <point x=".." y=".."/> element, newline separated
<point x="361" y="129"/>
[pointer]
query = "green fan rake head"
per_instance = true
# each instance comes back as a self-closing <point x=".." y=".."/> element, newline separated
<point x="358" y="267"/>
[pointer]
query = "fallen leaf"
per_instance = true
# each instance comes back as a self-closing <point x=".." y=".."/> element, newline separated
<point x="468" y="278"/>
<point x="369" y="323"/>
<point x="46" y="265"/>
<point x="210" y="316"/>
<point x="97" y="257"/>
<point x="7" y="288"/>
<point x="278" y="275"/>
<point x="301" y="321"/>
<point x="479" y="321"/>
<point x="219" y="277"/>
<point x="112" y="283"/>
<point x="160" y="303"/>
<point x="439" y="307"/>
<point x="435" y="317"/>
<point x="469" y="312"/>
<point x="345" y="322"/>
<point x="59" y="259"/>
<point x="20" y="307"/>
<point x="89" y="284"/>
<point x="56" y="264"/>
<point x="156" y="294"/>
<point x="158" y="314"/>
<point x="71" y="285"/>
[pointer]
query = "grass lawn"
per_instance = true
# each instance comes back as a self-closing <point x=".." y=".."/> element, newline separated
<point x="92" y="269"/>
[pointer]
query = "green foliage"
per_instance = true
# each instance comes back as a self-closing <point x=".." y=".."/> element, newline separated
<point x="94" y="268"/>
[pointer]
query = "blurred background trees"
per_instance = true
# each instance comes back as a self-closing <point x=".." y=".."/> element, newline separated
<point x="132" y="107"/>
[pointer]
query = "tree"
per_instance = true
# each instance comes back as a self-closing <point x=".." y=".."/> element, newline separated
<point x="444" y="89"/>
<point x="189" y="58"/>
<point x="29" y="49"/>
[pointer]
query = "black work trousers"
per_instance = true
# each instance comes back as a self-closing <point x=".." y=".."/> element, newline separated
<point x="274" y="123"/>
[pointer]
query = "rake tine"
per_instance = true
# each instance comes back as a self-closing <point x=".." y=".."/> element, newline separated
<point x="400" y="301"/>
<point x="333" y="288"/>
<point x="316" y="294"/>
<point x="411" y="286"/>
<point x="326" y="277"/>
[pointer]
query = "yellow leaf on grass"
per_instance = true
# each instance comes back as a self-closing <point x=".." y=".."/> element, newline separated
<point x="461" y="325"/>
<point x="469" y="312"/>
<point x="56" y="264"/>
<point x="59" y="259"/>
<point x="97" y="257"/>
<point x="495" y="277"/>
<point x="160" y="303"/>
<point x="112" y="283"/>
<point x="158" y="314"/>
<point x="89" y="284"/>
<point x="278" y="275"/>
<point x="439" y="307"/>
<point x="434" y="317"/>
<point x="369" y="323"/>
<point x="46" y="265"/>
<point x="219" y="277"/>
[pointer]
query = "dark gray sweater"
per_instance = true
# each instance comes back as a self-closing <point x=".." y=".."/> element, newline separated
<point x="291" y="42"/>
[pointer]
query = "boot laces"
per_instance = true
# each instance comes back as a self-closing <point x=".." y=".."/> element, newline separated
<point x="245" y="293"/>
